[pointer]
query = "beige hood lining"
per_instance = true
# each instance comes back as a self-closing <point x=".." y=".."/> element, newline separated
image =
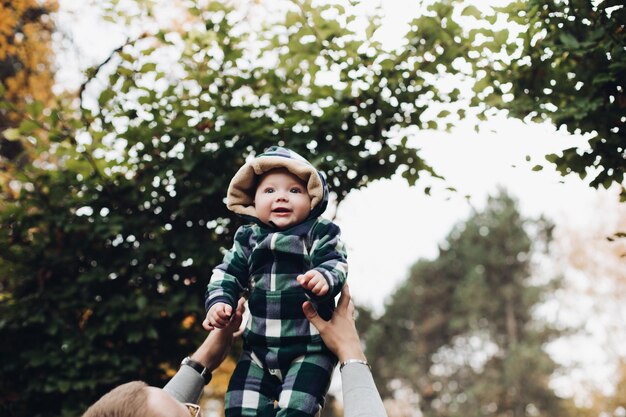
<point x="240" y="196"/>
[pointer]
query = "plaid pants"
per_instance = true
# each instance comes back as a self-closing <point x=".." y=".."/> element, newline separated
<point x="299" y="389"/>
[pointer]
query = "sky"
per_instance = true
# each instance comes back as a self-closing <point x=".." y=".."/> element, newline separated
<point x="389" y="225"/>
<point x="391" y="220"/>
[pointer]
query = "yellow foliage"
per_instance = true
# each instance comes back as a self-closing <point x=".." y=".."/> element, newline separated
<point x="189" y="321"/>
<point x="594" y="255"/>
<point x="25" y="54"/>
<point x="619" y="398"/>
<point x="167" y="369"/>
<point x="598" y="251"/>
<point x="213" y="399"/>
<point x="26" y="74"/>
<point x="221" y="377"/>
<point x="84" y="318"/>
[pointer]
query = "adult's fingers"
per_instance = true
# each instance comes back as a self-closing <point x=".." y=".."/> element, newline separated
<point x="241" y="305"/>
<point x="207" y="325"/>
<point x="344" y="298"/>
<point x="311" y="315"/>
<point x="235" y="322"/>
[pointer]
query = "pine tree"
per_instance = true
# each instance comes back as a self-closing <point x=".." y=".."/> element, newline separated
<point x="460" y="331"/>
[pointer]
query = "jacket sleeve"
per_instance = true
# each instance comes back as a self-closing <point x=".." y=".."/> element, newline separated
<point x="186" y="386"/>
<point x="360" y="395"/>
<point x="230" y="278"/>
<point x="328" y="256"/>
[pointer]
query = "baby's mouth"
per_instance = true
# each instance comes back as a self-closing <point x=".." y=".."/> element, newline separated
<point x="281" y="210"/>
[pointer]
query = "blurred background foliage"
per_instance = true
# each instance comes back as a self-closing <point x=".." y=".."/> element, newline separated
<point x="112" y="213"/>
<point x="460" y="331"/>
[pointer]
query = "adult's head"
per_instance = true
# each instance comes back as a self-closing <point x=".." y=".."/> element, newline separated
<point x="137" y="399"/>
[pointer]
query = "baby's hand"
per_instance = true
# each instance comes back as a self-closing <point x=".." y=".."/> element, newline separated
<point x="313" y="281"/>
<point x="218" y="316"/>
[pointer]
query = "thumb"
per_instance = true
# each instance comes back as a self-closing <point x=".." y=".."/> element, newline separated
<point x="312" y="316"/>
<point x="241" y="305"/>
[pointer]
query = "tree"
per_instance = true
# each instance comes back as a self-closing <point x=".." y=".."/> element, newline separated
<point x="566" y="63"/>
<point x="105" y="254"/>
<point x="460" y="331"/>
<point x="26" y="75"/>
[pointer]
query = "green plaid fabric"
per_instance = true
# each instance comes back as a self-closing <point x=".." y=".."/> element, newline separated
<point x="291" y="366"/>
<point x="267" y="262"/>
<point x="298" y="390"/>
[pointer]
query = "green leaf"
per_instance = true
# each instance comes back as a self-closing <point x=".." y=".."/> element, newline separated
<point x="134" y="336"/>
<point x="151" y="333"/>
<point x="12" y="134"/>
<point x="552" y="158"/>
<point x="602" y="79"/>
<point x="292" y="18"/>
<point x="105" y="96"/>
<point x="142" y="302"/>
<point x="481" y="84"/>
<point x="35" y="109"/>
<point x="64" y="386"/>
<point x="501" y="36"/>
<point x="569" y="40"/>
<point x="148" y="67"/>
<point x="472" y="11"/>
<point x="28" y="126"/>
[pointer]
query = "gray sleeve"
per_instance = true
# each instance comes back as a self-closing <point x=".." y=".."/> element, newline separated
<point x="186" y="386"/>
<point x="360" y="395"/>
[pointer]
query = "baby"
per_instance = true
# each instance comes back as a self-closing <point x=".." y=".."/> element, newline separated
<point x="285" y="256"/>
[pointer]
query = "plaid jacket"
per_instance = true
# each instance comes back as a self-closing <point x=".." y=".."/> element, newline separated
<point x="266" y="262"/>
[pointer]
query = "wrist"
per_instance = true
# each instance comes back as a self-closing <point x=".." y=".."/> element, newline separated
<point x="351" y="354"/>
<point x="357" y="361"/>
<point x="214" y="349"/>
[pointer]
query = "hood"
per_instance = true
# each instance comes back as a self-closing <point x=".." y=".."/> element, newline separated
<point x="242" y="188"/>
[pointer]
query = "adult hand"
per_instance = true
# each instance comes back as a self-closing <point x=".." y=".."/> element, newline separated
<point x="339" y="333"/>
<point x="215" y="347"/>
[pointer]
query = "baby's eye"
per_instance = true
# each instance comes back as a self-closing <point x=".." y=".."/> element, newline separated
<point x="269" y="190"/>
<point x="295" y="190"/>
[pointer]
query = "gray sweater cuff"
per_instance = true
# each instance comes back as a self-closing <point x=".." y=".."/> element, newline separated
<point x="360" y="396"/>
<point x="186" y="386"/>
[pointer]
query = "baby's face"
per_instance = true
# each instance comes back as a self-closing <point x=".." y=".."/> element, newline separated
<point x="281" y="199"/>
